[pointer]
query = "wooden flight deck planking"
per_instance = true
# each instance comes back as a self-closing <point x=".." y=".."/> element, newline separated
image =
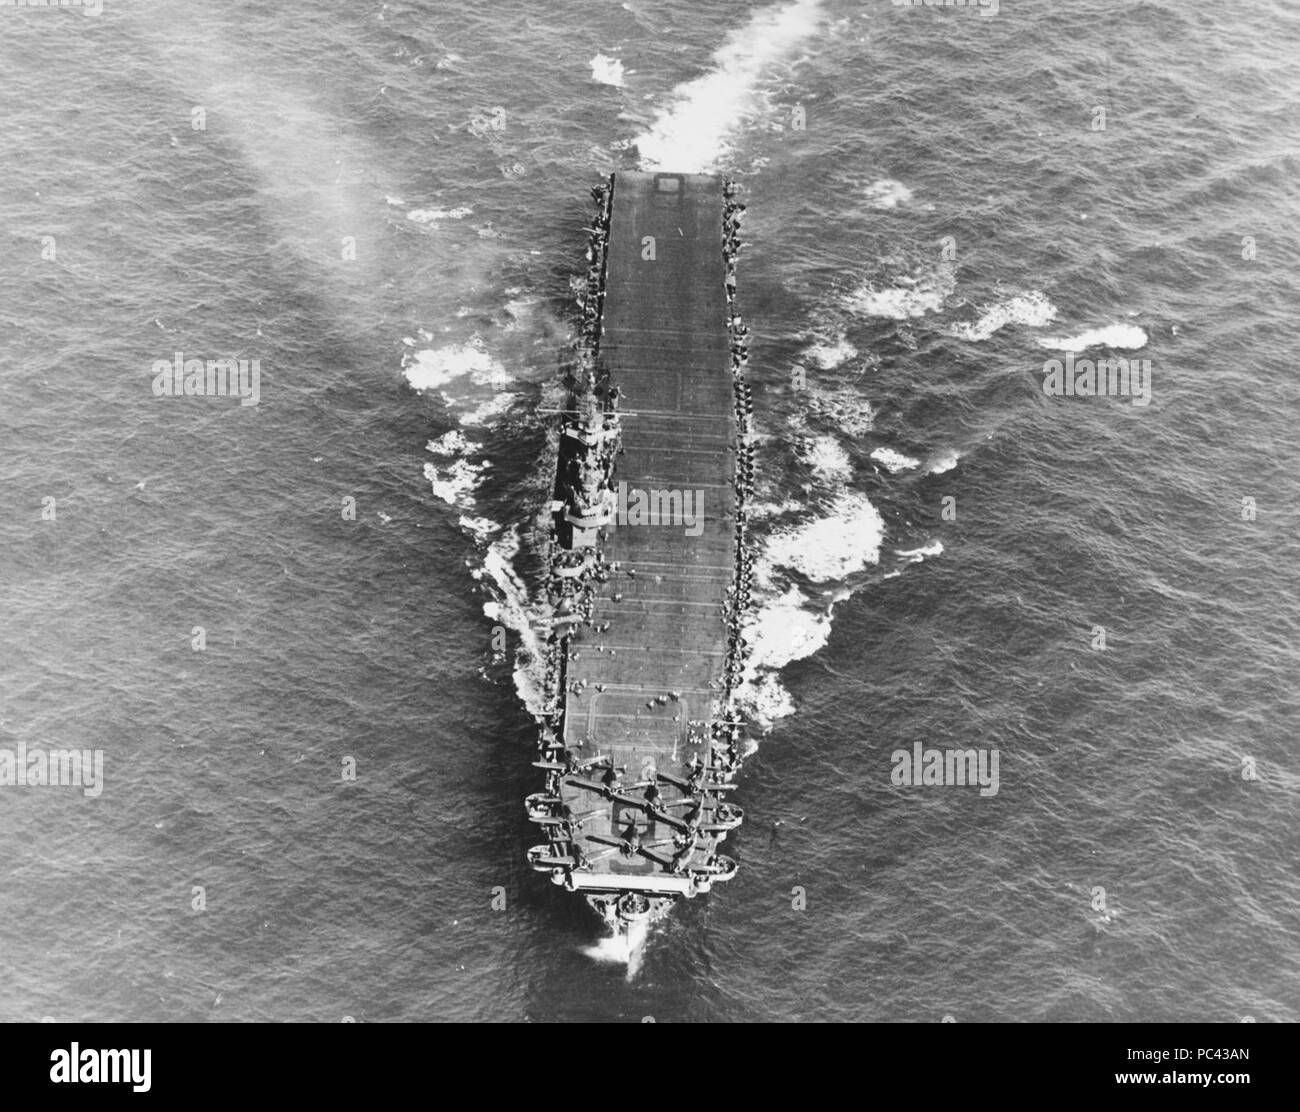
<point x="666" y="345"/>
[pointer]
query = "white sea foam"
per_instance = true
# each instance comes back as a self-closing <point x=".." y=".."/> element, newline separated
<point x="828" y="459"/>
<point x="606" y="70"/>
<point x="626" y="946"/>
<point x="782" y="630"/>
<point x="851" y="414"/>
<point x="916" y="555"/>
<point x="487" y="411"/>
<point x="1110" y="336"/>
<point x="887" y="194"/>
<point x="435" y="367"/>
<point x="906" y="297"/>
<point x="1032" y="309"/>
<point x="828" y="356"/>
<point x="480" y="528"/>
<point x="452" y="443"/>
<point x="773" y="509"/>
<point x="894" y="461"/>
<point x="944" y="461"/>
<point x="788" y="625"/>
<point x="520" y="310"/>
<point x="431" y="215"/>
<point x="690" y="135"/>
<point x="763" y="698"/>
<point x="511" y="607"/>
<point x="834" y="546"/>
<point x="457" y="482"/>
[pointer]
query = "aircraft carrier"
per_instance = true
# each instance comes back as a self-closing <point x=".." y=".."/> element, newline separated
<point x="647" y="570"/>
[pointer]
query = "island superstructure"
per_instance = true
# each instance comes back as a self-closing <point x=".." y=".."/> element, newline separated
<point x="648" y="569"/>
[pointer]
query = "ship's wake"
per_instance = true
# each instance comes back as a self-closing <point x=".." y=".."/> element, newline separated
<point x="510" y="605"/>
<point x="814" y="546"/>
<point x="625" y="946"/>
<point x="691" y="134"/>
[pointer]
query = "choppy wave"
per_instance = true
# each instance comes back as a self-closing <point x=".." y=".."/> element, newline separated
<point x="432" y="368"/>
<point x="887" y="194"/>
<point x="788" y="624"/>
<point x="894" y="461"/>
<point x="1032" y="309"/>
<point x="488" y="411"/>
<point x="480" y="528"/>
<point x="904" y="296"/>
<point x="457" y="482"/>
<point x="290" y="163"/>
<point x="845" y="539"/>
<point x="511" y="606"/>
<point x="519" y="310"/>
<point x="916" y="555"/>
<point x="691" y="134"/>
<point x="453" y="443"/>
<point x="776" y="509"/>
<point x="607" y="71"/>
<point x="827" y="458"/>
<point x="432" y="215"/>
<point x="784" y="629"/>
<point x="1110" y="336"/>
<point x="848" y="411"/>
<point x="943" y="461"/>
<point x="828" y="356"/>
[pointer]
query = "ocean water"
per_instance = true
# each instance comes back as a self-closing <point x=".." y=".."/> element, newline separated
<point x="382" y="203"/>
